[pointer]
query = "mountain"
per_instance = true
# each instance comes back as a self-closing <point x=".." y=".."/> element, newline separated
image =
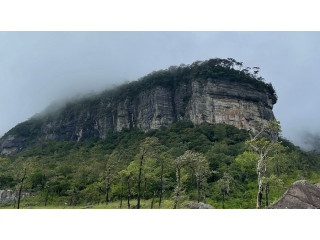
<point x="213" y="91"/>
<point x="176" y="138"/>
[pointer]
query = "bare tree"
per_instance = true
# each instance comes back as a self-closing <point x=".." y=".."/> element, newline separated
<point x="262" y="143"/>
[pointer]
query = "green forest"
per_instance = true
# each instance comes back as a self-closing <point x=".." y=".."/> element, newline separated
<point x="166" y="168"/>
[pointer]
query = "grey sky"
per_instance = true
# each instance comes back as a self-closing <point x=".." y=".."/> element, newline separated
<point x="37" y="68"/>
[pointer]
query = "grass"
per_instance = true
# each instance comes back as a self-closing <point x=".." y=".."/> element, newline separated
<point x="33" y="203"/>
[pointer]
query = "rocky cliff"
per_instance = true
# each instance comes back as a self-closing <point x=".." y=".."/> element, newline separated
<point x="200" y="98"/>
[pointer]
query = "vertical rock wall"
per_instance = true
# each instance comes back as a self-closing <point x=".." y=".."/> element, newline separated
<point x="199" y="100"/>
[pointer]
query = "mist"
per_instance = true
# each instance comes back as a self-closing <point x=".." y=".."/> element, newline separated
<point x="311" y="142"/>
<point x="39" y="68"/>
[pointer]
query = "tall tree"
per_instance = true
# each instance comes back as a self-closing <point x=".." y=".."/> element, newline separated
<point x="262" y="142"/>
<point x="271" y="180"/>
<point x="224" y="184"/>
<point x="200" y="166"/>
<point x="147" y="149"/>
<point x="201" y="170"/>
<point x="165" y="161"/>
<point x="180" y="163"/>
<point x="112" y="162"/>
<point x="20" y="190"/>
<point x="126" y="174"/>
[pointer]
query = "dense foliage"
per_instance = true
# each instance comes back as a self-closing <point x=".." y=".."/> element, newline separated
<point x="212" y="69"/>
<point x="210" y="162"/>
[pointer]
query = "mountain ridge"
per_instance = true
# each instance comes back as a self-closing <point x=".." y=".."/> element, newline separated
<point x="213" y="91"/>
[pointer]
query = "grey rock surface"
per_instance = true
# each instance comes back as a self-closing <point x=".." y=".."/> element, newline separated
<point x="7" y="196"/>
<point x="199" y="205"/>
<point x="213" y="101"/>
<point x="301" y="195"/>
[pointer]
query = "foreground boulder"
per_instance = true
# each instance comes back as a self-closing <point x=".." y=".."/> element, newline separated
<point x="301" y="195"/>
<point x="199" y="205"/>
<point x="7" y="196"/>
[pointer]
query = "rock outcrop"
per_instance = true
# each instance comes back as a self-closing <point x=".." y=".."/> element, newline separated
<point x="8" y="196"/>
<point x="198" y="100"/>
<point x="301" y="195"/>
<point x="200" y="205"/>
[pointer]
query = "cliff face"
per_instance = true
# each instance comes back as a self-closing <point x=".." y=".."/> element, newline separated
<point x="199" y="100"/>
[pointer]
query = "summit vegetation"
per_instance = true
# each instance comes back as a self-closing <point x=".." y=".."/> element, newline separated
<point x="227" y="69"/>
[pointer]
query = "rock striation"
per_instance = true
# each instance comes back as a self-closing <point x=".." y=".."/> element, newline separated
<point x="212" y="100"/>
<point x="301" y="195"/>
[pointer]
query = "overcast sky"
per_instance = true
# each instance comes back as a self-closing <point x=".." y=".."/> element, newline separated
<point x="37" y="68"/>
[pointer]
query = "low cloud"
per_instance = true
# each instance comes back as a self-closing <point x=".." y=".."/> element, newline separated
<point x="311" y="142"/>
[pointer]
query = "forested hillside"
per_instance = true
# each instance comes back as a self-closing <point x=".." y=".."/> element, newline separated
<point x="163" y="168"/>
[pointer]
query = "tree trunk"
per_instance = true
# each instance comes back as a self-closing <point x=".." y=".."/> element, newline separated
<point x="278" y="173"/>
<point x="145" y="188"/>
<point x="129" y="193"/>
<point x="259" y="196"/>
<point x="139" y="182"/>
<point x="99" y="195"/>
<point x="160" y="193"/>
<point x="223" y="194"/>
<point x="20" y="190"/>
<point x="267" y="195"/>
<point x="154" y="195"/>
<point x="108" y="186"/>
<point x="121" y="194"/>
<point x="107" y="195"/>
<point x="177" y="189"/>
<point x="72" y="198"/>
<point x="198" y="190"/>
<point x="46" y="198"/>
<point x="204" y="194"/>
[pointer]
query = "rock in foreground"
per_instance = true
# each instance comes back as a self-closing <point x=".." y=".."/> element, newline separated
<point x="199" y="205"/>
<point x="301" y="195"/>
